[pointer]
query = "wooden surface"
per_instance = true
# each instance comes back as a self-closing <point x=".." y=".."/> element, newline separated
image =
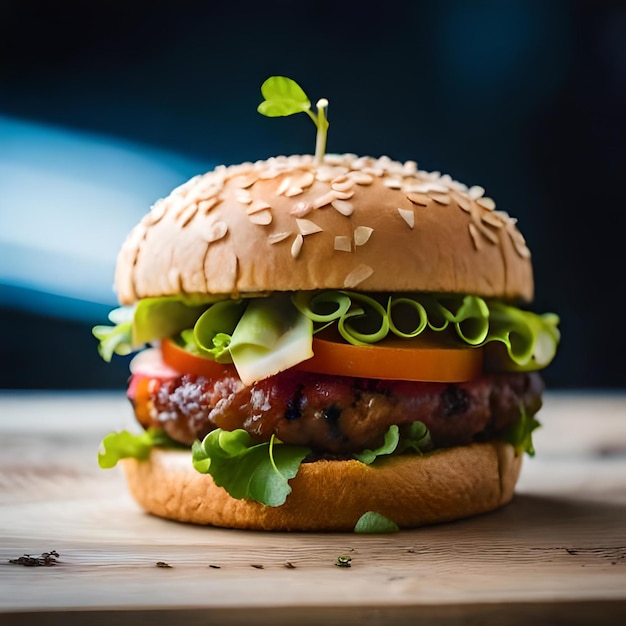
<point x="557" y="554"/>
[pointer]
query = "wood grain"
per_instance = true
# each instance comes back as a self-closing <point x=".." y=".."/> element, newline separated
<point x="557" y="552"/>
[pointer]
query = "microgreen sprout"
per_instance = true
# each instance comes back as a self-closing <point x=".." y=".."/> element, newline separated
<point x="283" y="96"/>
<point x="343" y="561"/>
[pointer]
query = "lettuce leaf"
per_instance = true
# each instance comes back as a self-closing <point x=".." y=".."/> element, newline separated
<point x="212" y="332"/>
<point x="263" y="336"/>
<point x="520" y="434"/>
<point x="392" y="437"/>
<point x="114" y="340"/>
<point x="529" y="340"/>
<point x="156" y="318"/>
<point x="372" y="522"/>
<point x="150" y="319"/>
<point x="247" y="470"/>
<point x="126" y="445"/>
<point x="416" y="438"/>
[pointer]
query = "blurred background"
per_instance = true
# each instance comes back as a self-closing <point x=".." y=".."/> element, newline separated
<point x="105" y="107"/>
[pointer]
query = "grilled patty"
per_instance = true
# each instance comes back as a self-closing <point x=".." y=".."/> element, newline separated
<point x="334" y="415"/>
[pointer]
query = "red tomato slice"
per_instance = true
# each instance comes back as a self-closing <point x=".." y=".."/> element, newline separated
<point x="187" y="363"/>
<point x="396" y="359"/>
<point x="391" y="359"/>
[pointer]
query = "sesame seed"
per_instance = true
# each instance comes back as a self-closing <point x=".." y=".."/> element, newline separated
<point x="256" y="206"/>
<point x="306" y="179"/>
<point x="293" y="191"/>
<point x="344" y="185"/>
<point x="301" y="209"/>
<point x="284" y="185"/>
<point x="187" y="214"/>
<point x="307" y="227"/>
<point x="408" y="216"/>
<point x="409" y="168"/>
<point x="438" y="188"/>
<point x="360" y="178"/>
<point x="206" y="205"/>
<point x="392" y="183"/>
<point x="245" y="180"/>
<point x="473" y="231"/>
<point x="216" y="232"/>
<point x="326" y="173"/>
<point x="343" y="243"/>
<point x="476" y="192"/>
<point x="440" y="198"/>
<point x="296" y="246"/>
<point x="493" y="219"/>
<point x="522" y="250"/>
<point x="374" y="171"/>
<point x="487" y="233"/>
<point x="343" y="206"/>
<point x="243" y="196"/>
<point x="486" y="203"/>
<point x="357" y="276"/>
<point x="324" y="199"/>
<point x="263" y="218"/>
<point x="362" y="235"/>
<point x="278" y="237"/>
<point x="343" y="194"/>
<point x="334" y="159"/>
<point x="464" y="202"/>
<point x="417" y="198"/>
<point x="157" y="212"/>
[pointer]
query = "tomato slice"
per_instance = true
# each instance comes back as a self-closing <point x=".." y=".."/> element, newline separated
<point x="186" y="363"/>
<point x="396" y="359"/>
<point x="391" y="359"/>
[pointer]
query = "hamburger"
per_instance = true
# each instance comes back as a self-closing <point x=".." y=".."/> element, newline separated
<point x="326" y="340"/>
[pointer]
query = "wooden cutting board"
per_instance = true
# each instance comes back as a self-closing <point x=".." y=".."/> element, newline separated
<point x="557" y="554"/>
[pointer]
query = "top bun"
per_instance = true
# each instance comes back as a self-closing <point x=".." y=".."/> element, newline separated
<point x="289" y="224"/>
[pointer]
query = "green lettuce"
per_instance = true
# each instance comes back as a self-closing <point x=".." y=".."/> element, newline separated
<point x="263" y="336"/>
<point x="415" y="438"/>
<point x="247" y="470"/>
<point x="150" y="319"/>
<point x="115" y="339"/>
<point x="156" y="318"/>
<point x="126" y="445"/>
<point x="530" y="340"/>
<point x="372" y="522"/>
<point x="520" y="434"/>
<point x="212" y="332"/>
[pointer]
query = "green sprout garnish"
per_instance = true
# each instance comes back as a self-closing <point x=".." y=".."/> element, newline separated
<point x="283" y="96"/>
<point x="343" y="561"/>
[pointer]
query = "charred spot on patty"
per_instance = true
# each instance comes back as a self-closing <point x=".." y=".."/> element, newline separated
<point x="294" y="406"/>
<point x="332" y="413"/>
<point x="455" y="400"/>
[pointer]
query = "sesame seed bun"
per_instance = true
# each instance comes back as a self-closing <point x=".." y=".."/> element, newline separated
<point x="410" y="490"/>
<point x="287" y="224"/>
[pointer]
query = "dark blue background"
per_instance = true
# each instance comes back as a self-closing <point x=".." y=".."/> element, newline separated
<point x="526" y="98"/>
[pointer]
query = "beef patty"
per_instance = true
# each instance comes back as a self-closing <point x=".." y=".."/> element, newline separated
<point x="336" y="415"/>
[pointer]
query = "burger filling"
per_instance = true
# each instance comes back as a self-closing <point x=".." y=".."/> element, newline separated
<point x="335" y="416"/>
<point x="246" y="385"/>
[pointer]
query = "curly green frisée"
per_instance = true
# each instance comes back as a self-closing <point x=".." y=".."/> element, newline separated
<point x="326" y="342"/>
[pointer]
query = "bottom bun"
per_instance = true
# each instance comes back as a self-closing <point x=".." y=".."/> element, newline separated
<point x="410" y="490"/>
